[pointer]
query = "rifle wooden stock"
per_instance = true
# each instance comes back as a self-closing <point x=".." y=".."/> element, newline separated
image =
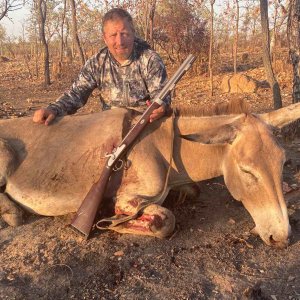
<point x="86" y="214"/>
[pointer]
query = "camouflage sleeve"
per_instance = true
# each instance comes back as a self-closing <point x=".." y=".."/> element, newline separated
<point x="79" y="93"/>
<point x="156" y="77"/>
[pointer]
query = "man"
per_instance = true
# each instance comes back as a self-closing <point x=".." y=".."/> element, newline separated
<point x="127" y="73"/>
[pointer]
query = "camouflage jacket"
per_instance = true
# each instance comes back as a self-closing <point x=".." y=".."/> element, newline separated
<point x="130" y="84"/>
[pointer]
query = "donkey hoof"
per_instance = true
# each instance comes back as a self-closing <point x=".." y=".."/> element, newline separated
<point x="15" y="219"/>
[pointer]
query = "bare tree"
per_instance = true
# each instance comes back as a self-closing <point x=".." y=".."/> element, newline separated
<point x="143" y="12"/>
<point x="274" y="38"/>
<point x="151" y="21"/>
<point x="42" y="9"/>
<point x="9" y="5"/>
<point x="36" y="52"/>
<point x="2" y="38"/>
<point x="293" y="31"/>
<point x="266" y="54"/>
<point x="75" y="31"/>
<point x="211" y="45"/>
<point x="25" y="55"/>
<point x="63" y="16"/>
<point x="179" y="31"/>
<point x="236" y="37"/>
<point x="146" y="18"/>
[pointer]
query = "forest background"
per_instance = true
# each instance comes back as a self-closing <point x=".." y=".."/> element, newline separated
<point x="223" y="35"/>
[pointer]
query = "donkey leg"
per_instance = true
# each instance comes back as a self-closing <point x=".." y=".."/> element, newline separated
<point x="8" y="161"/>
<point x="10" y="212"/>
<point x="145" y="179"/>
<point x="155" y="220"/>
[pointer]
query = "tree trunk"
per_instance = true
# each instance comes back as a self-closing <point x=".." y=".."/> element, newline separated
<point x="266" y="54"/>
<point x="36" y="52"/>
<point x="151" y="22"/>
<point x="146" y="24"/>
<point x="150" y="7"/>
<point x="75" y="31"/>
<point x="42" y="19"/>
<point x="293" y="32"/>
<point x="68" y="45"/>
<point x="62" y="31"/>
<point x="236" y="39"/>
<point x="26" y="56"/>
<point x="211" y="45"/>
<point x="273" y="43"/>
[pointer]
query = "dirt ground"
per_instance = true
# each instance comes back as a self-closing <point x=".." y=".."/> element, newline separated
<point x="211" y="254"/>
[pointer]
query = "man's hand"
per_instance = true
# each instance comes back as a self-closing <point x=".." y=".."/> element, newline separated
<point x="44" y="116"/>
<point x="157" y="113"/>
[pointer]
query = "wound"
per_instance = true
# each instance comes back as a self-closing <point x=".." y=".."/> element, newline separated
<point x="158" y="221"/>
<point x="109" y="145"/>
<point x="138" y="226"/>
<point x="134" y="202"/>
<point x="154" y="220"/>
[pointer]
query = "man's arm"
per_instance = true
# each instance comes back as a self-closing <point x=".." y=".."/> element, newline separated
<point x="72" y="99"/>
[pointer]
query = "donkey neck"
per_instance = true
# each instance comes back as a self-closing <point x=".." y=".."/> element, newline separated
<point x="194" y="161"/>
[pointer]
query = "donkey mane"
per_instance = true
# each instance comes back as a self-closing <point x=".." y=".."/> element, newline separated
<point x="234" y="107"/>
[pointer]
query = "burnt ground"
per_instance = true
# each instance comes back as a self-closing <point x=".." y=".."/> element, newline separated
<point x="211" y="254"/>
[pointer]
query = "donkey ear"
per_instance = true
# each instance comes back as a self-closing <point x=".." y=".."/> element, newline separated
<point x="221" y="135"/>
<point x="191" y="137"/>
<point x="283" y="116"/>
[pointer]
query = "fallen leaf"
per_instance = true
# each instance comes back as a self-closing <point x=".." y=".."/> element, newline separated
<point x="119" y="253"/>
<point x="231" y="221"/>
<point x="286" y="188"/>
<point x="291" y="278"/>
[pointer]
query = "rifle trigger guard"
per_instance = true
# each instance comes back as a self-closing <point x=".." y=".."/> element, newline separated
<point x="119" y="165"/>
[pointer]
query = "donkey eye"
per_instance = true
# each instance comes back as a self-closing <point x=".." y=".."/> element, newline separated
<point x="248" y="172"/>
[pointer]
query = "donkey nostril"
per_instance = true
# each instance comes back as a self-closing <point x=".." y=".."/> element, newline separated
<point x="272" y="241"/>
<point x="278" y="244"/>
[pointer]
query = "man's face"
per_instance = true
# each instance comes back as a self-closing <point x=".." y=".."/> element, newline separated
<point x="119" y="37"/>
